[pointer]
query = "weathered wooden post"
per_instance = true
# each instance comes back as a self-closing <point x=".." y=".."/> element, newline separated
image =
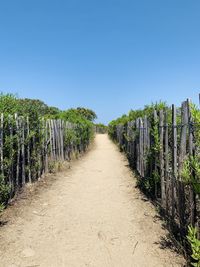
<point x="18" y="149"/>
<point x="22" y="149"/>
<point x="174" y="159"/>
<point x="1" y="144"/>
<point x="161" y="159"/>
<point x="166" y="160"/>
<point x="191" y="154"/>
<point x="28" y="149"/>
<point x="182" y="157"/>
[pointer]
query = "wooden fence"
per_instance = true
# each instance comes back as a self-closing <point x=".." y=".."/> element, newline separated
<point x="158" y="149"/>
<point x="100" y="130"/>
<point x="27" y="151"/>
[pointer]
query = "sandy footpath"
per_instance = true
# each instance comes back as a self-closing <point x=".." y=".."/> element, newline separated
<point x="91" y="215"/>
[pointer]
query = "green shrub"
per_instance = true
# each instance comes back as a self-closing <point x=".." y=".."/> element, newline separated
<point x="195" y="246"/>
<point x="191" y="173"/>
<point x="33" y="115"/>
<point x="4" y="193"/>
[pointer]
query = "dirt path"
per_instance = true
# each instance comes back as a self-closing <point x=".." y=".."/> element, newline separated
<point x="90" y="216"/>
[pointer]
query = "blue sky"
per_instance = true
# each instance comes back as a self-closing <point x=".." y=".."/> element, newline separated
<point x="108" y="55"/>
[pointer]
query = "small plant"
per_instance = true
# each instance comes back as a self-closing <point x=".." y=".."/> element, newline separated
<point x="191" y="173"/>
<point x="195" y="245"/>
<point x="155" y="134"/>
<point x="52" y="167"/>
<point x="59" y="166"/>
<point x="4" y="193"/>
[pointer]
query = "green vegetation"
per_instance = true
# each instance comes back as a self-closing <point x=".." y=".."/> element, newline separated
<point x="22" y="127"/>
<point x="162" y="152"/>
<point x="10" y="104"/>
<point x="195" y="246"/>
<point x="101" y="128"/>
<point x="4" y="192"/>
<point x="191" y="166"/>
<point x="84" y="127"/>
<point x="148" y="184"/>
<point x="35" y="110"/>
<point x="191" y="172"/>
<point x="88" y="114"/>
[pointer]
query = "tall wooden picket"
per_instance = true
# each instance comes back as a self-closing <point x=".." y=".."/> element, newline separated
<point x="155" y="118"/>
<point x="161" y="157"/>
<point x="1" y="145"/>
<point x="191" y="154"/>
<point x="22" y="150"/>
<point x="174" y="160"/>
<point x="28" y="149"/>
<point x="18" y="149"/>
<point x="166" y="163"/>
<point x="182" y="157"/>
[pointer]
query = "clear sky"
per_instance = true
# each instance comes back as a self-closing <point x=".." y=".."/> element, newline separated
<point x="108" y="55"/>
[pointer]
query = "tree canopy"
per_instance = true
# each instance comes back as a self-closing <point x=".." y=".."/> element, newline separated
<point x="86" y="113"/>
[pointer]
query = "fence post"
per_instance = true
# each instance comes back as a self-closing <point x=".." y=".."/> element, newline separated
<point x="18" y="149"/>
<point x="46" y="146"/>
<point x="161" y="159"/>
<point x="166" y="157"/>
<point x="141" y="146"/>
<point x="155" y="117"/>
<point x="174" y="159"/>
<point x="182" y="157"/>
<point x="23" y="150"/>
<point x="1" y="145"/>
<point x="10" y="120"/>
<point x="28" y="149"/>
<point x="191" y="153"/>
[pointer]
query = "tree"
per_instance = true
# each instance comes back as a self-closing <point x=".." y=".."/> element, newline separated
<point x="86" y="113"/>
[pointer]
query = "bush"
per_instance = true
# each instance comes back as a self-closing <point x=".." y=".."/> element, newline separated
<point x="195" y="246"/>
<point x="24" y="124"/>
<point x="4" y="193"/>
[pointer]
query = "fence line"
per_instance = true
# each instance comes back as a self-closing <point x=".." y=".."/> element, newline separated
<point x="157" y="149"/>
<point x="29" y="151"/>
<point x="100" y="129"/>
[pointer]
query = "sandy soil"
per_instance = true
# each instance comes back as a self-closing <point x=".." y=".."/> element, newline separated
<point x="91" y="215"/>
